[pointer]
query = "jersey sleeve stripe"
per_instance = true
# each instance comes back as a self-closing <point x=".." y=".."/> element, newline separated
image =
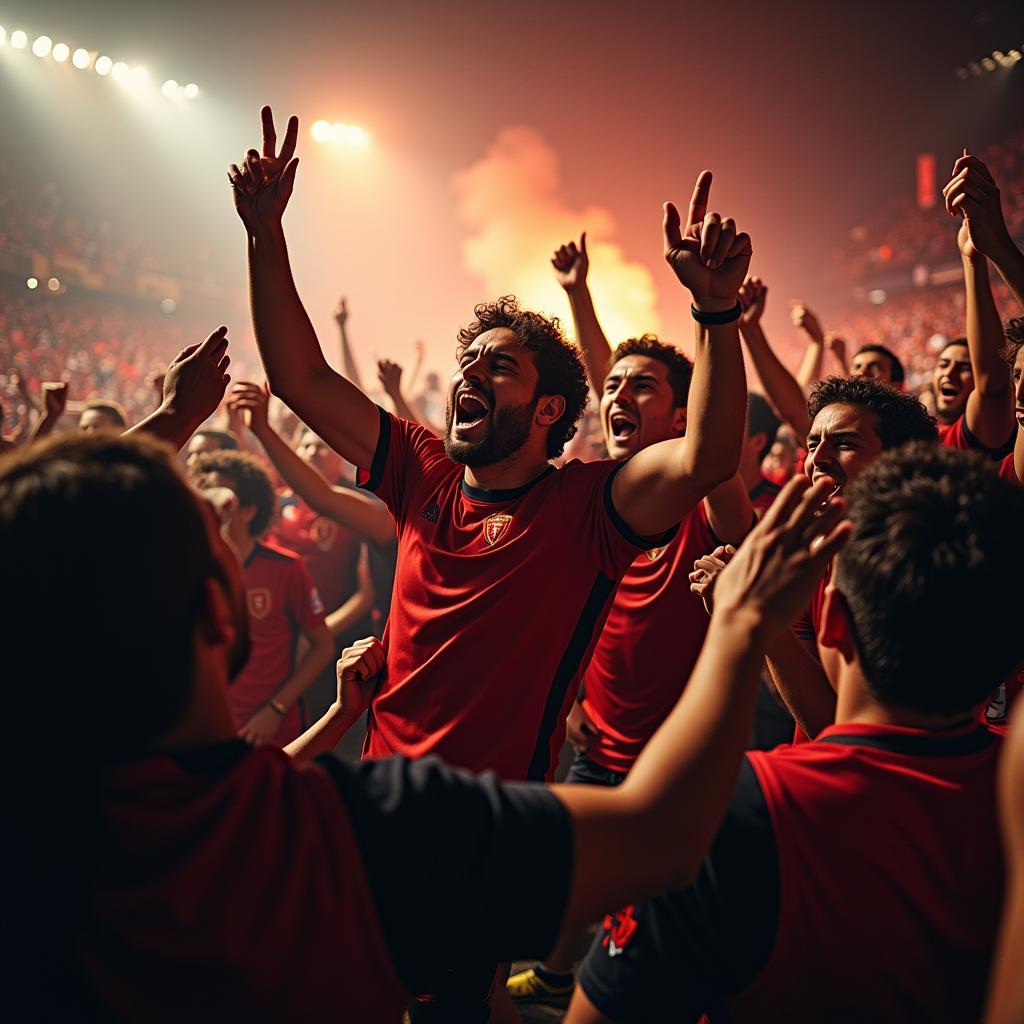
<point x="380" y="457"/>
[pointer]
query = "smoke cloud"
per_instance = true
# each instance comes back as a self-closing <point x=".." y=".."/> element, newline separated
<point x="510" y="202"/>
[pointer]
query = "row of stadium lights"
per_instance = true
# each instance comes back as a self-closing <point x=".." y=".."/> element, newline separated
<point x="997" y="60"/>
<point x="167" y="306"/>
<point x="83" y="59"/>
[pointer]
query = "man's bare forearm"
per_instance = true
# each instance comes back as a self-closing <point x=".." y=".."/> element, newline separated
<point x="323" y="735"/>
<point x="989" y="407"/>
<point x="802" y="684"/>
<point x="780" y="386"/>
<point x="590" y="336"/>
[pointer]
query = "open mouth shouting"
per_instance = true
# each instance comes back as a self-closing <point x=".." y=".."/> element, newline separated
<point x="835" y="478"/>
<point x="471" y="410"/>
<point x="622" y="426"/>
<point x="948" y="393"/>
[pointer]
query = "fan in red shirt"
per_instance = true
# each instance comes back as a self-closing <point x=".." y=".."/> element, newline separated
<point x="858" y="876"/>
<point x="283" y="605"/>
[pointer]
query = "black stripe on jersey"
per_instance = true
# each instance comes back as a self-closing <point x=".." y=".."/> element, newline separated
<point x="916" y="745"/>
<point x="582" y="635"/>
<point x="380" y="456"/>
<point x="620" y="524"/>
<point x="493" y="497"/>
<point x="997" y="454"/>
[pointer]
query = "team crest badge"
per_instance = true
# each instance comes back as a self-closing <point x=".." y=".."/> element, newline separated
<point x="495" y="527"/>
<point x="619" y="929"/>
<point x="322" y="533"/>
<point x="655" y="553"/>
<point x="259" y="602"/>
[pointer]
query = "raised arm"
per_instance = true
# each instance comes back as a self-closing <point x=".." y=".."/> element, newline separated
<point x="353" y="509"/>
<point x="348" y="362"/>
<point x="55" y="399"/>
<point x="390" y="376"/>
<point x="814" y="353"/>
<point x="972" y="194"/>
<point x="572" y="264"/>
<point x="989" y="412"/>
<point x="687" y="772"/>
<point x="331" y="405"/>
<point x="662" y="482"/>
<point x="780" y="386"/>
<point x="193" y="386"/>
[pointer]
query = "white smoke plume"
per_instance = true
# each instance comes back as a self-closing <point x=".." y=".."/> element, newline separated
<point x="510" y="202"/>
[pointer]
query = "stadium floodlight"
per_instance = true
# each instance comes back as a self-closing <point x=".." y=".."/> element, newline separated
<point x="19" y="39"/>
<point x="121" y="71"/>
<point x="988" y="63"/>
<point x="41" y="47"/>
<point x="104" y="65"/>
<point x="53" y="284"/>
<point x="321" y="131"/>
<point x="191" y="91"/>
<point x="61" y="52"/>
<point x="81" y="59"/>
<point x="32" y="283"/>
<point x="170" y="87"/>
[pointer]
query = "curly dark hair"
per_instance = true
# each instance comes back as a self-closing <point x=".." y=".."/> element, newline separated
<point x="936" y="539"/>
<point x="251" y="482"/>
<point x="899" y="418"/>
<point x="897" y="366"/>
<point x="1014" y="339"/>
<point x="680" y="369"/>
<point x="559" y="367"/>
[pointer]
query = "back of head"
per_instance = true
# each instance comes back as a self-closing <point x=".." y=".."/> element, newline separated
<point x="680" y="369"/>
<point x="931" y="577"/>
<point x="109" y="408"/>
<point x="106" y="553"/>
<point x="223" y="439"/>
<point x="899" y="418"/>
<point x="761" y="419"/>
<point x="559" y="366"/>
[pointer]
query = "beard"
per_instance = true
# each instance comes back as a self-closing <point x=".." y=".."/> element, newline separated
<point x="508" y="432"/>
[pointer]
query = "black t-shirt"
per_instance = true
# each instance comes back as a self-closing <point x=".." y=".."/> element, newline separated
<point x="439" y="848"/>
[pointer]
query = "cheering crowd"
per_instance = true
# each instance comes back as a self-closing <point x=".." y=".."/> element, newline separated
<point x="780" y="631"/>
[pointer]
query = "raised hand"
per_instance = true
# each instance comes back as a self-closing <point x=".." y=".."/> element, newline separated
<point x="707" y="255"/>
<point x="837" y="346"/>
<point x="197" y="377"/>
<point x="753" y="295"/>
<point x="262" y="185"/>
<point x="803" y="318"/>
<point x="775" y="570"/>
<point x="341" y="312"/>
<point x="55" y="398"/>
<point x="359" y="670"/>
<point x="973" y="195"/>
<point x="251" y="401"/>
<point x="390" y="376"/>
<point x="706" y="571"/>
<point x="571" y="264"/>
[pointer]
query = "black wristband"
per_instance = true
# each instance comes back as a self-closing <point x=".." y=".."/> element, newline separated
<point x="727" y="316"/>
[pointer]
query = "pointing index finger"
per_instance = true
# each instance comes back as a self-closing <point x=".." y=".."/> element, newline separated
<point x="699" y="199"/>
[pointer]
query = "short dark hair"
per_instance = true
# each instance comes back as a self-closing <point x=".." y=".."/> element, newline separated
<point x="761" y="419"/>
<point x="954" y="341"/>
<point x="680" y="369"/>
<point x="252" y="483"/>
<point x="897" y="366"/>
<point x="899" y="418"/>
<point x="1014" y="339"/>
<point x="559" y="367"/>
<point x="225" y="438"/>
<point x="937" y="535"/>
<point x="109" y="408"/>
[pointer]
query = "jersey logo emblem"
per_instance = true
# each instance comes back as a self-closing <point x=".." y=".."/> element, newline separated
<point x="619" y="930"/>
<point x="431" y="512"/>
<point x="495" y="527"/>
<point x="655" y="553"/>
<point x="259" y="602"/>
<point x="323" y="533"/>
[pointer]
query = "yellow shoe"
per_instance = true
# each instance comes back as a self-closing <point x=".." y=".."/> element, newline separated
<point x="529" y="987"/>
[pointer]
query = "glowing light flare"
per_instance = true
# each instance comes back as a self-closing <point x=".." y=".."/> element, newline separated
<point x="19" y="40"/>
<point x="53" y="284"/>
<point x="104" y="65"/>
<point x="32" y="283"/>
<point x="3" y="35"/>
<point x="81" y="59"/>
<point x="169" y="88"/>
<point x="191" y="91"/>
<point x="121" y="72"/>
<point x="140" y="76"/>
<point x="61" y="52"/>
<point x="41" y="47"/>
<point x="877" y="296"/>
<point x="168" y="306"/>
<point x="340" y="134"/>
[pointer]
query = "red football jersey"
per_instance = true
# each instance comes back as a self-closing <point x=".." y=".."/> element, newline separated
<point x="259" y="830"/>
<point x="958" y="435"/>
<point x="330" y="551"/>
<point x="1007" y="470"/>
<point x="283" y="604"/>
<point x="890" y="867"/>
<point x="499" y="596"/>
<point x="648" y="647"/>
